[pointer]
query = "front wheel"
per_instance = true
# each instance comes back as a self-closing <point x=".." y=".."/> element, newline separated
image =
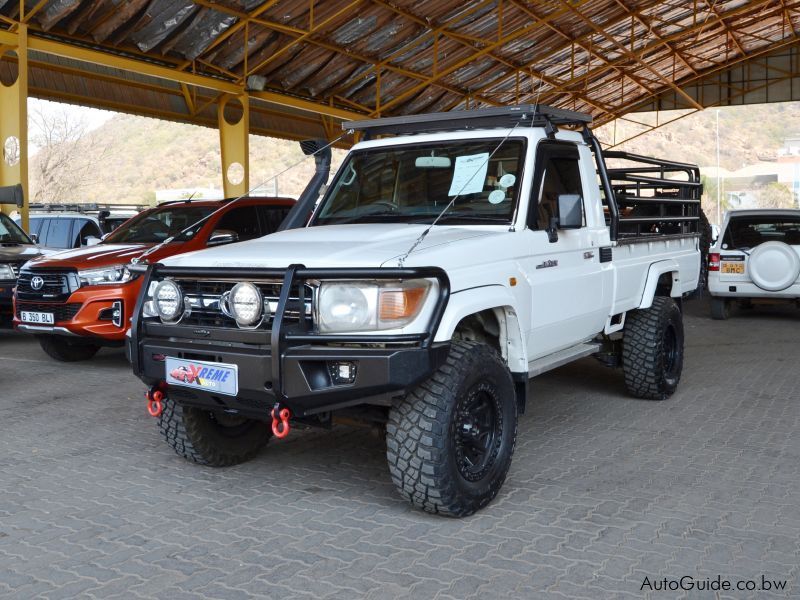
<point x="211" y="438"/>
<point x="652" y="350"/>
<point x="450" y="441"/>
<point x="65" y="350"/>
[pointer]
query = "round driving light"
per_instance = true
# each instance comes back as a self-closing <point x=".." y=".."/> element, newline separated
<point x="343" y="308"/>
<point x="168" y="300"/>
<point x="246" y="303"/>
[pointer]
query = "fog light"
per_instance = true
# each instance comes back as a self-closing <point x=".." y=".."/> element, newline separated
<point x="342" y="373"/>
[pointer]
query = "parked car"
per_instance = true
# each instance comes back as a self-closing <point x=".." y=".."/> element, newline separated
<point x="442" y="269"/>
<point x="16" y="248"/>
<point x="62" y="231"/>
<point x="756" y="259"/>
<point x="76" y="301"/>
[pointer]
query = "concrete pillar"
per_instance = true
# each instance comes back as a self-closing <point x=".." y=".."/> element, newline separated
<point x="14" y="125"/>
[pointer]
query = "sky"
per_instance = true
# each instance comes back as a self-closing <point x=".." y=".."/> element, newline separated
<point x="93" y="117"/>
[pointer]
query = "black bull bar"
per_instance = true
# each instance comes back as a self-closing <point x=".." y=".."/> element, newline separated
<point x="285" y="336"/>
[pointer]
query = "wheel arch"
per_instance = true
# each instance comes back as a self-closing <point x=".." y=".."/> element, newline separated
<point x="663" y="279"/>
<point x="488" y="304"/>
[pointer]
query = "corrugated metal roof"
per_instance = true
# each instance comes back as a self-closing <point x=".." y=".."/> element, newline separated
<point x="605" y="57"/>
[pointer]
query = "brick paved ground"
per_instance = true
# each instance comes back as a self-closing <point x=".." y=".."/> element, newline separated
<point x="604" y="490"/>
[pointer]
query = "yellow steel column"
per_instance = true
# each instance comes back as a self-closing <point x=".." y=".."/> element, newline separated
<point x="233" y="114"/>
<point x="14" y="126"/>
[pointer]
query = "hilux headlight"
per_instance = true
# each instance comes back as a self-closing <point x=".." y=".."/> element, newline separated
<point x="6" y="272"/>
<point x="105" y="275"/>
<point x="366" y="306"/>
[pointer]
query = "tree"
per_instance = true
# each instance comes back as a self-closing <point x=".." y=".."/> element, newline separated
<point x="64" y="157"/>
<point x="776" y="195"/>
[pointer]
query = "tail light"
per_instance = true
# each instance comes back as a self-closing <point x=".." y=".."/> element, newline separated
<point x="713" y="262"/>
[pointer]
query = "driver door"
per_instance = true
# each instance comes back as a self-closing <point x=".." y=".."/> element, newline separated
<point x="568" y="303"/>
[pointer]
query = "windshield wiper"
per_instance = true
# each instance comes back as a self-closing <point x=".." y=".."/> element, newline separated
<point x="466" y="217"/>
<point x="367" y="215"/>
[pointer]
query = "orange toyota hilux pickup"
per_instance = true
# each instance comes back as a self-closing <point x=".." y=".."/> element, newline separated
<point x="77" y="301"/>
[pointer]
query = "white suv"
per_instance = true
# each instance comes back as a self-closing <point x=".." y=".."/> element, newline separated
<point x="757" y="257"/>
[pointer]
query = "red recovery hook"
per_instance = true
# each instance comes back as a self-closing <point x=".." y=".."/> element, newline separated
<point x="280" y="421"/>
<point x="155" y="404"/>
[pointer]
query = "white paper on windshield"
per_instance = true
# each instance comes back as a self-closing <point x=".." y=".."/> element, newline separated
<point x="469" y="174"/>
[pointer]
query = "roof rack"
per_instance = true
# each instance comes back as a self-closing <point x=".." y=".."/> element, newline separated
<point x="529" y="115"/>
<point x="84" y="208"/>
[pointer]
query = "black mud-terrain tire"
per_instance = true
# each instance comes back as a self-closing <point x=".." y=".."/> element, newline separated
<point x="705" y="243"/>
<point x="652" y="350"/>
<point x="66" y="350"/>
<point x="720" y="309"/>
<point x="199" y="435"/>
<point x="434" y="433"/>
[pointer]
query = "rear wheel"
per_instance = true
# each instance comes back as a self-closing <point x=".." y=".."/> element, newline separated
<point x="66" y="350"/>
<point x="450" y="441"/>
<point x="652" y="350"/>
<point x="211" y="438"/>
<point x="720" y="309"/>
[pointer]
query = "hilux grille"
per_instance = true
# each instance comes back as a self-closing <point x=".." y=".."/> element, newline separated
<point x="61" y="312"/>
<point x="203" y="297"/>
<point x="56" y="285"/>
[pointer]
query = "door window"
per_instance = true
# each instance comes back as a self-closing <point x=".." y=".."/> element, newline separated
<point x="83" y="229"/>
<point x="272" y="217"/>
<point x="58" y="233"/>
<point x="558" y="167"/>
<point x="243" y="221"/>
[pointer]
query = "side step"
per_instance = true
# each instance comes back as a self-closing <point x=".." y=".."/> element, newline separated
<point x="562" y="357"/>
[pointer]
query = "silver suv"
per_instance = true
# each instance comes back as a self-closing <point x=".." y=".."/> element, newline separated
<point x="757" y="257"/>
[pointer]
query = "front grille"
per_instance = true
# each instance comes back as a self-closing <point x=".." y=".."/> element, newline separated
<point x="56" y="285"/>
<point x="61" y="312"/>
<point x="204" y="297"/>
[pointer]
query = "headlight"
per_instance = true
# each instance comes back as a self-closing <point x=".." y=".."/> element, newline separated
<point x="168" y="300"/>
<point x="105" y="275"/>
<point x="246" y="304"/>
<point x="6" y="272"/>
<point x="356" y="306"/>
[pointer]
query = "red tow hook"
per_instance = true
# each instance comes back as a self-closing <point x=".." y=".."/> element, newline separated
<point x="155" y="405"/>
<point x="280" y="421"/>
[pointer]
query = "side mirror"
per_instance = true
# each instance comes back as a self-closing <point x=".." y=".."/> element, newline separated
<point x="223" y="236"/>
<point x="34" y="238"/>
<point x="92" y="241"/>
<point x="570" y="211"/>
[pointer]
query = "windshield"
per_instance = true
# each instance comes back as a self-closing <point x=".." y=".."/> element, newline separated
<point x="413" y="184"/>
<point x="750" y="231"/>
<point x="153" y="226"/>
<point x="10" y="232"/>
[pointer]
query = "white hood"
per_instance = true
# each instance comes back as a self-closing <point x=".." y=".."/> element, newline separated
<point x="360" y="245"/>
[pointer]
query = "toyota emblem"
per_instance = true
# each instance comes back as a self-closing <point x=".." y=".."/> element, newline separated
<point x="37" y="283"/>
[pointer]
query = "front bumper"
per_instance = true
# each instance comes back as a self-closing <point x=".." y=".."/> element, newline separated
<point x="90" y="315"/>
<point x="289" y="365"/>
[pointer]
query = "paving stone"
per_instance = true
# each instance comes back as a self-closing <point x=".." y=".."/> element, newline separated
<point x="604" y="489"/>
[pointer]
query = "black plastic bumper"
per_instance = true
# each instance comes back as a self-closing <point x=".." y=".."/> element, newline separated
<point x="290" y="364"/>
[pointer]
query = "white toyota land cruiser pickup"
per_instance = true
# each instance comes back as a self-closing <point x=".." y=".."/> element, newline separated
<point x="453" y="257"/>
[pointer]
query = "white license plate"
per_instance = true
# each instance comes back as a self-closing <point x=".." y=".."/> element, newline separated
<point x="37" y="317"/>
<point x="219" y="378"/>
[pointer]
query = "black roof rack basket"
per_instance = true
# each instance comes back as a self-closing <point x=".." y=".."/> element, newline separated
<point x="528" y="115"/>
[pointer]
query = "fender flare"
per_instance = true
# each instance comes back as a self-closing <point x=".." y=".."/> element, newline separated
<point x="490" y="297"/>
<point x="655" y="272"/>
